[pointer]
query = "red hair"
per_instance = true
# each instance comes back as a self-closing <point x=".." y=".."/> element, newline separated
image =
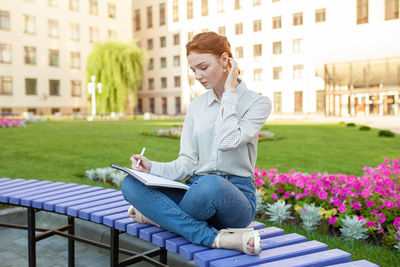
<point x="209" y="42"/>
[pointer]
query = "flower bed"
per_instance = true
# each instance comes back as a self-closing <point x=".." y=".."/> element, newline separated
<point x="11" y="122"/>
<point x="373" y="197"/>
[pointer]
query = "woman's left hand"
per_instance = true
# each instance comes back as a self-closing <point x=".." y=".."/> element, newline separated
<point x="231" y="80"/>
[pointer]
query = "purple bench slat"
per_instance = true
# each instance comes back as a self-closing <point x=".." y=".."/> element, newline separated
<point x="27" y="201"/>
<point x="204" y="258"/>
<point x="188" y="251"/>
<point x="147" y="233"/>
<point x="74" y="210"/>
<point x="83" y="189"/>
<point x="18" y="186"/>
<point x="121" y="224"/>
<point x="173" y="244"/>
<point x="134" y="228"/>
<point x="9" y="184"/>
<point x="44" y="188"/>
<point x="283" y="240"/>
<point x="318" y="259"/>
<point x="271" y="255"/>
<point x="62" y="206"/>
<point x="159" y="239"/>
<point x="2" y="180"/>
<point x="85" y="213"/>
<point x="270" y="232"/>
<point x="99" y="215"/>
<point x="5" y="197"/>
<point x="110" y="219"/>
<point x="360" y="263"/>
<point x="256" y="225"/>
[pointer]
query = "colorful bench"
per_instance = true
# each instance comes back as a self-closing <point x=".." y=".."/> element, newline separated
<point x="108" y="207"/>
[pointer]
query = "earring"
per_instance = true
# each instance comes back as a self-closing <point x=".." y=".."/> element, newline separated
<point x="224" y="70"/>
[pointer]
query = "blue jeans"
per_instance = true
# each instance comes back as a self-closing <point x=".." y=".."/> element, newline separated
<point x="213" y="202"/>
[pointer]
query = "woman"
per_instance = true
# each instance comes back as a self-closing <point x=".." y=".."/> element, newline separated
<point x="218" y="150"/>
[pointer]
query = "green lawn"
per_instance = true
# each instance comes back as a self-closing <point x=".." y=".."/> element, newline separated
<point x="62" y="151"/>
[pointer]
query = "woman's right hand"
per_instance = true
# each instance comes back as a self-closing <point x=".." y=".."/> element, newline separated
<point x="144" y="165"/>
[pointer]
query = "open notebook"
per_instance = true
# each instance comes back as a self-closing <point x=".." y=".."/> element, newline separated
<point x="151" y="180"/>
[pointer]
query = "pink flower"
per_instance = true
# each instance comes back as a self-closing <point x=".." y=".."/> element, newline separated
<point x="361" y="218"/>
<point x="342" y="208"/>
<point x="369" y="203"/>
<point x="257" y="172"/>
<point x="332" y="220"/>
<point x="396" y="221"/>
<point x="259" y="181"/>
<point x="322" y="195"/>
<point x="370" y="224"/>
<point x="337" y="203"/>
<point x="356" y="205"/>
<point x="366" y="182"/>
<point x="366" y="193"/>
<point x="286" y="195"/>
<point x="299" y="196"/>
<point x="389" y="204"/>
<point x="381" y="218"/>
<point x="374" y="212"/>
<point x="280" y="190"/>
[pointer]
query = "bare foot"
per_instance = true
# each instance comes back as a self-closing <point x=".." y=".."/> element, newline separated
<point x="238" y="239"/>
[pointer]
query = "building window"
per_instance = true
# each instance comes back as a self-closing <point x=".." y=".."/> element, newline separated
<point x="150" y="64"/>
<point x="163" y="41"/>
<point x="93" y="7"/>
<point x="75" y="32"/>
<point x="175" y="11"/>
<point x="54" y="58"/>
<point x="220" y="6"/>
<point x="5" y="53"/>
<point x="256" y="2"/>
<point x="53" y="28"/>
<point x="298" y="101"/>
<point x="190" y="36"/>
<point x="257" y="25"/>
<point x="298" y="71"/>
<point x="277" y="102"/>
<point x="163" y="62"/>
<point x="4" y="20"/>
<point x="52" y="3"/>
<point x="163" y="82"/>
<point x="74" y="5"/>
<point x="257" y="75"/>
<point x="137" y="20"/>
<point x="277" y="73"/>
<point x="176" y="39"/>
<point x="320" y="15"/>
<point x="204" y="8"/>
<point x="277" y="48"/>
<point x="221" y="30"/>
<point x="149" y="17"/>
<point x="6" y="111"/>
<point x="151" y="83"/>
<point x="297" y="45"/>
<point x="111" y="10"/>
<point x="164" y="105"/>
<point x="76" y="88"/>
<point x="151" y="104"/>
<point x="32" y="110"/>
<point x="239" y="52"/>
<point x="177" y="81"/>
<point x="177" y="105"/>
<point x="189" y="9"/>
<point x="391" y="9"/>
<point x="75" y="60"/>
<point x="239" y="28"/>
<point x="276" y="22"/>
<point x="93" y="34"/>
<point x="30" y="24"/>
<point x="298" y="19"/>
<point x="112" y="34"/>
<point x="162" y="14"/>
<point x="30" y="86"/>
<point x="257" y="50"/>
<point x="29" y="55"/>
<point x="177" y="61"/>
<point x="139" y="106"/>
<point x="55" y="111"/>
<point x="320" y="101"/>
<point x="54" y="87"/>
<point x="237" y="5"/>
<point x="149" y="44"/>
<point x="362" y="11"/>
<point x="5" y="85"/>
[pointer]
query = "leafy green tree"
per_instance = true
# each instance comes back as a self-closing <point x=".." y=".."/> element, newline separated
<point x="119" y="67"/>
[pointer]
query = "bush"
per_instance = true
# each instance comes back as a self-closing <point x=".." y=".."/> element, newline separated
<point x="351" y="124"/>
<point x="385" y="133"/>
<point x="364" y="128"/>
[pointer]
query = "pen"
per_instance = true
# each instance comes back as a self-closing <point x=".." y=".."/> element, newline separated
<point x="141" y="154"/>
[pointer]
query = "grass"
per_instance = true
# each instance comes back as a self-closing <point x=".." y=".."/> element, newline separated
<point x="63" y="150"/>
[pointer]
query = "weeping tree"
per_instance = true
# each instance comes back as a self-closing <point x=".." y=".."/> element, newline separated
<point x="118" y="66"/>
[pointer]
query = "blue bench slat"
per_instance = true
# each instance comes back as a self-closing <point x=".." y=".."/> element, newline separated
<point x="99" y="215"/>
<point x="147" y="233"/>
<point x="85" y="213"/>
<point x="74" y="210"/>
<point x="173" y="244"/>
<point x="360" y="263"/>
<point x="62" y="206"/>
<point x="188" y="251"/>
<point x="271" y="255"/>
<point x="27" y="201"/>
<point x="5" y="197"/>
<point x="134" y="228"/>
<point x="47" y="186"/>
<point x="122" y="223"/>
<point x="270" y="232"/>
<point x="14" y="182"/>
<point x="283" y="240"/>
<point x="318" y="259"/>
<point x="18" y="186"/>
<point x="2" y="180"/>
<point x="256" y="225"/>
<point x="82" y="189"/>
<point x="159" y="239"/>
<point x="110" y="219"/>
<point x="204" y="258"/>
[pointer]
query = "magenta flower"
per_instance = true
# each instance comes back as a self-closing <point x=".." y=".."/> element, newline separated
<point x="259" y="181"/>
<point x="361" y="218"/>
<point x="332" y="220"/>
<point x="389" y="204"/>
<point x="337" y="203"/>
<point x="280" y="190"/>
<point x="396" y="221"/>
<point x="381" y="218"/>
<point x="366" y="193"/>
<point x="322" y="195"/>
<point x="286" y="195"/>
<point x="274" y="196"/>
<point x="370" y="224"/>
<point x="298" y="196"/>
<point x="342" y="208"/>
<point x="257" y="172"/>
<point x="369" y="203"/>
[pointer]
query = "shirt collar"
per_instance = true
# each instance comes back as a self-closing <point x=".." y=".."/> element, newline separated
<point x="239" y="90"/>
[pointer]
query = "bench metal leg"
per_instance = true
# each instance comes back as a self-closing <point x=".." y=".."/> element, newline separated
<point x="31" y="237"/>
<point x="114" y="249"/>
<point x="71" y="242"/>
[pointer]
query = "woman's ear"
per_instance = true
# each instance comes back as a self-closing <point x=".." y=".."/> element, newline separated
<point x="225" y="59"/>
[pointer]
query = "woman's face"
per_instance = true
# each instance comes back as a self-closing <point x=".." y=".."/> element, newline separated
<point x="208" y="69"/>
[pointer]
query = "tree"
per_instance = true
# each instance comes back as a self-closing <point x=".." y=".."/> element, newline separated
<point x="119" y="67"/>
